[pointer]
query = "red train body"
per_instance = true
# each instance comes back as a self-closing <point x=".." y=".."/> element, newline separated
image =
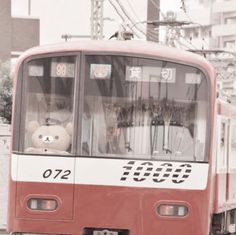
<point x="151" y="150"/>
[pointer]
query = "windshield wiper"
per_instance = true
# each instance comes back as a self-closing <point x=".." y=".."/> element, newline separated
<point x="167" y="118"/>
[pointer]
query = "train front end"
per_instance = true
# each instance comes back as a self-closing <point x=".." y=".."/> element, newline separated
<point x="110" y="144"/>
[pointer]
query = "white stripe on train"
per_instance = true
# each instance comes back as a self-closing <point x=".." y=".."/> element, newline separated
<point x="109" y="172"/>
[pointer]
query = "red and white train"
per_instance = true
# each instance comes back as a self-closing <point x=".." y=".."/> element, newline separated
<point x="120" y="138"/>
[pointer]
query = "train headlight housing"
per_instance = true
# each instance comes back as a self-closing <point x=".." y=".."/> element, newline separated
<point x="34" y="234"/>
<point x="172" y="210"/>
<point x="42" y="204"/>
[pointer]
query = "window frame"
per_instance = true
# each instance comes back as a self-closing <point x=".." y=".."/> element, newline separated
<point x="156" y="58"/>
<point x="19" y="104"/>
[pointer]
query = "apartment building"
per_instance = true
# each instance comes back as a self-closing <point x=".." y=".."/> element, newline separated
<point x="224" y="24"/>
<point x="17" y="33"/>
<point x="214" y="28"/>
<point x="214" y="23"/>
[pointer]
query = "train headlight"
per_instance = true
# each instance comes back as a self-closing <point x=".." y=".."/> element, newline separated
<point x="172" y="210"/>
<point x="42" y="204"/>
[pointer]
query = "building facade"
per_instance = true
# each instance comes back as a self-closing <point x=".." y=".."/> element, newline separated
<point x="17" y="33"/>
<point x="224" y="24"/>
<point x="213" y="23"/>
<point x="5" y="29"/>
<point x="214" y="29"/>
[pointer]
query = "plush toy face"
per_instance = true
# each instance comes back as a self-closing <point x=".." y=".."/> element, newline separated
<point x="53" y="137"/>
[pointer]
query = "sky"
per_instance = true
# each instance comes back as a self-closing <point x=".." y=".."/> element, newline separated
<point x="58" y="17"/>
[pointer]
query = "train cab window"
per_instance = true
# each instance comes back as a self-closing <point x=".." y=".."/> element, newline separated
<point x="232" y="147"/>
<point x="49" y="88"/>
<point x="144" y="109"/>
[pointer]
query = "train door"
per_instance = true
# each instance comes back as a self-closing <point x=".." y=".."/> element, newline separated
<point x="232" y="163"/>
<point x="222" y="160"/>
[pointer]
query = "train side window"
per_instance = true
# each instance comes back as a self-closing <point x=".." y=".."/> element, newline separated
<point x="232" y="146"/>
<point x="222" y="152"/>
<point x="233" y="137"/>
<point x="49" y="90"/>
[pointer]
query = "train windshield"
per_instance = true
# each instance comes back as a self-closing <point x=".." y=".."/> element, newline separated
<point x="144" y="109"/>
<point x="130" y="108"/>
<point x="49" y="89"/>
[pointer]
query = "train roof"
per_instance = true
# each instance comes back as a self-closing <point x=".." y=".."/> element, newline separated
<point x="123" y="47"/>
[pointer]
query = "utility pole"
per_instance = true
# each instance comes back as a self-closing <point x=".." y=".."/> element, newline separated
<point x="97" y="19"/>
<point x="29" y="7"/>
<point x="153" y="14"/>
<point x="172" y="25"/>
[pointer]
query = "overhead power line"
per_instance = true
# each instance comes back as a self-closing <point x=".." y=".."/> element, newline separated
<point x="125" y="12"/>
<point x="139" y="22"/>
<point x="132" y="9"/>
<point x="121" y="15"/>
<point x="126" y="18"/>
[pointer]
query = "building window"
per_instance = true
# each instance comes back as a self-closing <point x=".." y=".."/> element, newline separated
<point x="230" y="20"/>
<point x="229" y="44"/>
<point x="187" y="33"/>
<point x="196" y="33"/>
